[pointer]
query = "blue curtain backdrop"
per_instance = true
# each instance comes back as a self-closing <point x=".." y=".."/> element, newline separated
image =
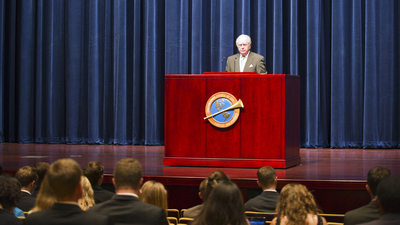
<point x="75" y="71"/>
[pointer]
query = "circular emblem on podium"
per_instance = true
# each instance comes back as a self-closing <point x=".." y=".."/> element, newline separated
<point x="223" y="110"/>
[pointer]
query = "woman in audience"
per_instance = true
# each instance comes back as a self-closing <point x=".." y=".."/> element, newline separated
<point x="154" y="193"/>
<point x="224" y="206"/>
<point x="87" y="200"/>
<point x="45" y="198"/>
<point x="214" y="179"/>
<point x="296" y="205"/>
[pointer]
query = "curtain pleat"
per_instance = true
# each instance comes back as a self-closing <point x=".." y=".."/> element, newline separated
<point x="92" y="72"/>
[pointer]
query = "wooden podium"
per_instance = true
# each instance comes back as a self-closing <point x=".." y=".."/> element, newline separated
<point x="267" y="132"/>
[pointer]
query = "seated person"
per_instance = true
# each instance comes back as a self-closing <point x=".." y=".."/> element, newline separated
<point x="154" y="193"/>
<point x="41" y="170"/>
<point x="10" y="193"/>
<point x="27" y="178"/>
<point x="87" y="200"/>
<point x="94" y="172"/>
<point x="266" y="202"/>
<point x="195" y="210"/>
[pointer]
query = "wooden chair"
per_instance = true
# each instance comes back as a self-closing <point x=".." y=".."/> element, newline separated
<point x="172" y="220"/>
<point x="184" y="220"/>
<point x="333" y="223"/>
<point x="21" y="218"/>
<point x="173" y="213"/>
<point x="334" y="218"/>
<point x="268" y="216"/>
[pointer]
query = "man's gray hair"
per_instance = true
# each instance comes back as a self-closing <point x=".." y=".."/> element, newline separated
<point x="243" y="36"/>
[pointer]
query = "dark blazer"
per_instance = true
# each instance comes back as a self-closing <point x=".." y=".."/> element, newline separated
<point x="66" y="214"/>
<point x="27" y="202"/>
<point x="101" y="195"/>
<point x="386" y="219"/>
<point x="254" y="63"/>
<point x="123" y="209"/>
<point x="7" y="218"/>
<point x="265" y="202"/>
<point x="363" y="214"/>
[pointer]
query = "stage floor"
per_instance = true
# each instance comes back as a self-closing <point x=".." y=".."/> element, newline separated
<point x="337" y="177"/>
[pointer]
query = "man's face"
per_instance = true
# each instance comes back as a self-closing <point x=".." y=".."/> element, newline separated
<point x="243" y="46"/>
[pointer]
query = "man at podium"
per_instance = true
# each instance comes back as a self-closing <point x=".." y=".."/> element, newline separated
<point x="245" y="60"/>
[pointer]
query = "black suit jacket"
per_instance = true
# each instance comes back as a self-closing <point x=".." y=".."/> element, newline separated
<point x="66" y="214"/>
<point x="123" y="209"/>
<point x="101" y="195"/>
<point x="7" y="218"/>
<point x="27" y="202"/>
<point x="266" y="202"/>
<point x="363" y="214"/>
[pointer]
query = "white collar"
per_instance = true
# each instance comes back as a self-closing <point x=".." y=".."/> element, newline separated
<point x="128" y="194"/>
<point x="245" y="56"/>
<point x="26" y="192"/>
<point x="271" y="190"/>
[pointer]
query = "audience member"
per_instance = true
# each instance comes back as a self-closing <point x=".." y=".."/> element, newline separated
<point x="9" y="195"/>
<point x="368" y="212"/>
<point x="64" y="177"/>
<point x="224" y="206"/>
<point x="94" y="172"/>
<point x="125" y="207"/>
<point x="267" y="200"/>
<point x="41" y="170"/>
<point x="86" y="201"/>
<point x="195" y="210"/>
<point x="46" y="197"/>
<point x="154" y="193"/>
<point x="17" y="211"/>
<point x="388" y="202"/>
<point x="296" y="205"/>
<point x="27" y="178"/>
<point x="214" y="179"/>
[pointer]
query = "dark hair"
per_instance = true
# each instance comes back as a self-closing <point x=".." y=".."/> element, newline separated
<point x="41" y="170"/>
<point x="63" y="177"/>
<point x="93" y="171"/>
<point x="266" y="176"/>
<point x="25" y="175"/>
<point x="224" y="206"/>
<point x="375" y="175"/>
<point x="10" y="192"/>
<point x="213" y="180"/>
<point x="389" y="195"/>
<point x="128" y="173"/>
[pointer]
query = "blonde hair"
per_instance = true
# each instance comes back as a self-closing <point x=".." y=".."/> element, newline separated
<point x="86" y="201"/>
<point x="296" y="202"/>
<point x="46" y="197"/>
<point x="154" y="193"/>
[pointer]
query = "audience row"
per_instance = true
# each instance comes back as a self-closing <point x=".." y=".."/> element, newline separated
<point x="61" y="193"/>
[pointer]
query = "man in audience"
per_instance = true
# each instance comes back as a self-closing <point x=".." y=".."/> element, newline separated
<point x="27" y="178"/>
<point x="368" y="212"/>
<point x="268" y="199"/>
<point x="194" y="211"/>
<point x="388" y="202"/>
<point x="94" y="172"/>
<point x="10" y="192"/>
<point x="64" y="178"/>
<point x="125" y="207"/>
<point x="41" y="170"/>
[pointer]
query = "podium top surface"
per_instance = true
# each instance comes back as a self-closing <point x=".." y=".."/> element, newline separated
<point x="230" y="74"/>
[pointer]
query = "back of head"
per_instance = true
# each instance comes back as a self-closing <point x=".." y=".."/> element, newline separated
<point x="25" y="175"/>
<point x="203" y="187"/>
<point x="154" y="193"/>
<point x="388" y="193"/>
<point x="46" y="198"/>
<point x="224" y="206"/>
<point x="63" y="177"/>
<point x="266" y="177"/>
<point x="295" y="202"/>
<point x="41" y="170"/>
<point x="93" y="171"/>
<point x="10" y="192"/>
<point x="375" y="175"/>
<point x="127" y="174"/>
<point x="213" y="180"/>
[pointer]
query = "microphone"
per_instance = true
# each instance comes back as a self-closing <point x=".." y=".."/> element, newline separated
<point x="234" y="65"/>
<point x="222" y="64"/>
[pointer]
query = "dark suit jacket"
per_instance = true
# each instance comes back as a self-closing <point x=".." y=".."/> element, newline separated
<point x="386" y="219"/>
<point x="66" y="214"/>
<point x="123" y="209"/>
<point x="101" y="195"/>
<point x="266" y="202"/>
<point x="363" y="214"/>
<point x="254" y="63"/>
<point x="7" y="218"/>
<point x="27" y="202"/>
